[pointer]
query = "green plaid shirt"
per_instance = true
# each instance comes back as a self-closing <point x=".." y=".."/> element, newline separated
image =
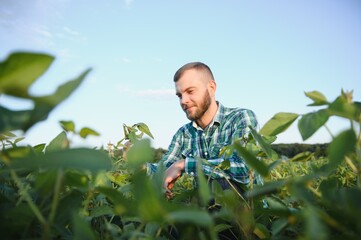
<point x="191" y="141"/>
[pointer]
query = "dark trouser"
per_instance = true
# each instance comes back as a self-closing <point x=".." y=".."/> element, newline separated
<point x="226" y="185"/>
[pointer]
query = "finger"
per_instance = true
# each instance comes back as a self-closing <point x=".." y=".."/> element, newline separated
<point x="170" y="185"/>
<point x="168" y="194"/>
<point x="165" y="185"/>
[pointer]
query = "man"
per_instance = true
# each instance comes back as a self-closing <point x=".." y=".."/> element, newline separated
<point x="212" y="127"/>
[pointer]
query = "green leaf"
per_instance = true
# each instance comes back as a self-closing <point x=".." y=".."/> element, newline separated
<point x="84" y="132"/>
<point x="81" y="228"/>
<point x="217" y="190"/>
<point x="76" y="179"/>
<point x="279" y="225"/>
<point x="71" y="201"/>
<point x="303" y="156"/>
<point x="341" y="145"/>
<point x="44" y="105"/>
<point x="299" y="188"/>
<point x="261" y="231"/>
<point x="19" y="139"/>
<point x="15" y="220"/>
<point x="140" y="153"/>
<point x="349" y="199"/>
<point x="101" y="211"/>
<point x="151" y="228"/>
<point x="144" y="128"/>
<point x="68" y="126"/>
<point x="328" y="187"/>
<point x="118" y="178"/>
<point x="318" y="98"/>
<point x="20" y="70"/>
<point x="39" y="148"/>
<point x="275" y="203"/>
<point x="251" y="160"/>
<point x="7" y="135"/>
<point x="77" y="158"/>
<point x="62" y="92"/>
<point x="117" y="198"/>
<point x="221" y="227"/>
<point x="24" y="119"/>
<point x="315" y="228"/>
<point x="342" y="108"/>
<point x="101" y="179"/>
<point x="278" y="123"/>
<point x="224" y="165"/>
<point x="311" y="122"/>
<point x="17" y="73"/>
<point x="45" y="181"/>
<point x="267" y="188"/>
<point x="17" y="152"/>
<point x="193" y="216"/>
<point x="13" y="120"/>
<point x="132" y="136"/>
<point x="264" y="145"/>
<point x="203" y="187"/>
<point x="59" y="142"/>
<point x="151" y="204"/>
<point x="226" y="151"/>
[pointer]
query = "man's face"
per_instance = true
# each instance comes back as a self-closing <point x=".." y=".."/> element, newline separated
<point x="193" y="94"/>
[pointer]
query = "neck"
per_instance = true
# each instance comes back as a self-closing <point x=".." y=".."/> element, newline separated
<point x="208" y="116"/>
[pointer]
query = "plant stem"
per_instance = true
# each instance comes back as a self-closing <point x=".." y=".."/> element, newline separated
<point x="351" y="165"/>
<point x="240" y="195"/>
<point x="329" y="131"/>
<point x="217" y="168"/>
<point x="86" y="202"/>
<point x="28" y="199"/>
<point x="159" y="231"/>
<point x="134" y="236"/>
<point x="55" y="202"/>
<point x="335" y="224"/>
<point x="314" y="191"/>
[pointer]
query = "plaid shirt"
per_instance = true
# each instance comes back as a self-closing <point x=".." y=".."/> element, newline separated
<point x="191" y="141"/>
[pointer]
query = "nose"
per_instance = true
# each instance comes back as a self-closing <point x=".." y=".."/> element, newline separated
<point x="184" y="99"/>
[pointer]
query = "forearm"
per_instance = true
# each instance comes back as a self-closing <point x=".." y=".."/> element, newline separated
<point x="167" y="160"/>
<point x="237" y="171"/>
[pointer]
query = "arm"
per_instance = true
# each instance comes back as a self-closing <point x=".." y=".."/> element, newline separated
<point x="172" y="155"/>
<point x="172" y="160"/>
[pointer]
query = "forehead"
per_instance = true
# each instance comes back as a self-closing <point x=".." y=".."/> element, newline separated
<point x="190" y="78"/>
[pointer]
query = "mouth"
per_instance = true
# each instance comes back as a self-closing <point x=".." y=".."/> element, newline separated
<point x="186" y="108"/>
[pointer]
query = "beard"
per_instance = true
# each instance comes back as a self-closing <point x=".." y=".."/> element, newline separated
<point x="202" y="107"/>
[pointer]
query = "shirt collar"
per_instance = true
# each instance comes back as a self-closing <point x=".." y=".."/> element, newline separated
<point x="216" y="119"/>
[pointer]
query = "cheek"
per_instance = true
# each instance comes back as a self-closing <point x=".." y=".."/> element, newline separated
<point x="210" y="92"/>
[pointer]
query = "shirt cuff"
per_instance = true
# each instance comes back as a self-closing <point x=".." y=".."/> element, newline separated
<point x="151" y="168"/>
<point x="190" y="165"/>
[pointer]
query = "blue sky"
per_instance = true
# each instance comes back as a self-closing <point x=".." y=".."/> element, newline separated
<point x="264" y="56"/>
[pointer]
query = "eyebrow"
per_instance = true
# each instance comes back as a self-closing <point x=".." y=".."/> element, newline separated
<point x="187" y="89"/>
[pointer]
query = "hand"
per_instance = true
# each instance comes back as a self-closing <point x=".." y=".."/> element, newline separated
<point x="172" y="174"/>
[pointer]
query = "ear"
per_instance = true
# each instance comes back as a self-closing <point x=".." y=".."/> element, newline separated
<point x="212" y="87"/>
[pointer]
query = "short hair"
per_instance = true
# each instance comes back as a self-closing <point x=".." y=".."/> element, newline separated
<point x="193" y="65"/>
